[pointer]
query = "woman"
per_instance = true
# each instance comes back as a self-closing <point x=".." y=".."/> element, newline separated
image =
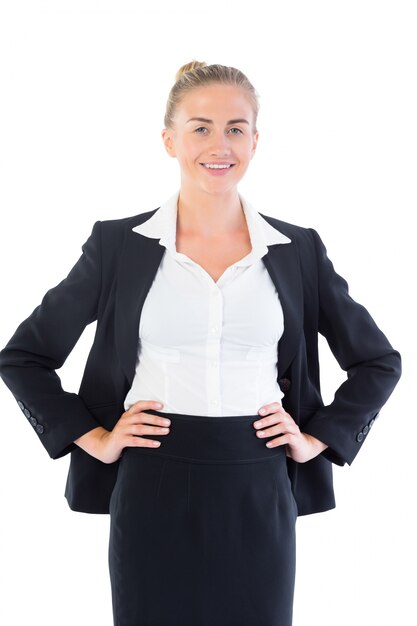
<point x="199" y="424"/>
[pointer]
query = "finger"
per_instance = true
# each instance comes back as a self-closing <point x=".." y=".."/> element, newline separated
<point x="140" y="442"/>
<point x="148" y="418"/>
<point x="279" y="441"/>
<point x="283" y="427"/>
<point x="277" y="429"/>
<point x="144" y="429"/>
<point x="276" y="417"/>
<point x="274" y="407"/>
<point x="142" y="405"/>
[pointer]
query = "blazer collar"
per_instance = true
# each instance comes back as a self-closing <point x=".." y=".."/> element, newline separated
<point x="162" y="226"/>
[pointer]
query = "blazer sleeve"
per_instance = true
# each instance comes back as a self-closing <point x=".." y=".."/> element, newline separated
<point x="373" y="366"/>
<point x="41" y="344"/>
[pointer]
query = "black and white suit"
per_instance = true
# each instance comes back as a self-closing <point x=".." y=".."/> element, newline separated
<point x="109" y="284"/>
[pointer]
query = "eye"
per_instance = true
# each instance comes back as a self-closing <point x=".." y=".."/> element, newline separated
<point x="200" y="128"/>
<point x="236" y="129"/>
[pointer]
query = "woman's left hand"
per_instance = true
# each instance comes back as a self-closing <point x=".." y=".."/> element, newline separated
<point x="300" y="447"/>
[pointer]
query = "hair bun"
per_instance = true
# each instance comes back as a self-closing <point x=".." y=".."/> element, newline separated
<point x="189" y="67"/>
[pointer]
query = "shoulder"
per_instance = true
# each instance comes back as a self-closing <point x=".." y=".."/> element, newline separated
<point x="112" y="231"/>
<point x="128" y="222"/>
<point x="305" y="238"/>
<point x="124" y="223"/>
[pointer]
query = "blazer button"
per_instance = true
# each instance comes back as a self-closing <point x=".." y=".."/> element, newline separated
<point x="359" y="437"/>
<point x="284" y="384"/>
<point x="371" y="423"/>
<point x="39" y="428"/>
<point x="27" y="413"/>
<point x="20" y="404"/>
<point x="365" y="430"/>
<point x="33" y="421"/>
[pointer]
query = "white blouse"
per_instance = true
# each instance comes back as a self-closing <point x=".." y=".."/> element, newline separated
<point x="209" y="348"/>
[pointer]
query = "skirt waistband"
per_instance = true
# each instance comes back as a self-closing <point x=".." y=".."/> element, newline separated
<point x="202" y="439"/>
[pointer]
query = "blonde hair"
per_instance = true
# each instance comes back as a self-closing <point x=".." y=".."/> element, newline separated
<point x="198" y="74"/>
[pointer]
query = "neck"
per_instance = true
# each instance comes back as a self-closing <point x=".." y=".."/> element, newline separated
<point x="209" y="215"/>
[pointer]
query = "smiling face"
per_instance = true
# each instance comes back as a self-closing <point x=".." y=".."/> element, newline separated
<point x="223" y="133"/>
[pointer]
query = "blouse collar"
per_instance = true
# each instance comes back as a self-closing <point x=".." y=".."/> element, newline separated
<point x="163" y="223"/>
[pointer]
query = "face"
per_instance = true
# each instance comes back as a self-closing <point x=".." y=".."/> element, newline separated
<point x="223" y="134"/>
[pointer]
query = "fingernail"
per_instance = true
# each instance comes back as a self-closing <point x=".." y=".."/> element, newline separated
<point x="158" y="405"/>
<point x="258" y="424"/>
<point x="262" y="411"/>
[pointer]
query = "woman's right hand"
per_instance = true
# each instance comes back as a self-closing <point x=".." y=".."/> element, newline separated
<point x="107" y="445"/>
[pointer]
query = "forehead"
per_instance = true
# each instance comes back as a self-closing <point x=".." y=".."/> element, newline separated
<point x="216" y="100"/>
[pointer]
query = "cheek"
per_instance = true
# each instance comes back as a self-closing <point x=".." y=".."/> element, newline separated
<point x="247" y="150"/>
<point x="192" y="149"/>
<point x="187" y="152"/>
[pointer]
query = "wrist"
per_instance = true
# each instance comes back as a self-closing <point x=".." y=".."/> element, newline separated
<point x="90" y="442"/>
<point x="316" y="444"/>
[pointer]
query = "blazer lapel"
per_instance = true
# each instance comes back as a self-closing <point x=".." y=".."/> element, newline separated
<point x="139" y="263"/>
<point x="283" y="265"/>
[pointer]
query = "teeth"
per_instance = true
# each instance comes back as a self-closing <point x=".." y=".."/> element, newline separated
<point x="216" y="166"/>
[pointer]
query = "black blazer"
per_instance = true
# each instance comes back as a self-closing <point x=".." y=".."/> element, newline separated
<point x="109" y="283"/>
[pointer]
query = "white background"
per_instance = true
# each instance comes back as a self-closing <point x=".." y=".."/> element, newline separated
<point x="83" y="93"/>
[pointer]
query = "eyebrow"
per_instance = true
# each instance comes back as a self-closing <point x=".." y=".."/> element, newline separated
<point x="203" y="119"/>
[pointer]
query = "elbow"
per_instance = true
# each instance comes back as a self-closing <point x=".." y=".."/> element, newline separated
<point x="388" y="364"/>
<point x="393" y="365"/>
<point x="4" y="362"/>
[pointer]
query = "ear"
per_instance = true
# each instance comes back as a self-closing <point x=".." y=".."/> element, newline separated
<point x="167" y="138"/>
<point x="255" y="143"/>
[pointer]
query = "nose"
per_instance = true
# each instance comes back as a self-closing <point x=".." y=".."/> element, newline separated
<point x="220" y="144"/>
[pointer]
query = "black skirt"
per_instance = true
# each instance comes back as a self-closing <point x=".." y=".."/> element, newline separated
<point x="202" y="528"/>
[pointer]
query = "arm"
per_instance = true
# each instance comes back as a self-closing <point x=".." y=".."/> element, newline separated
<point x="373" y="366"/>
<point x="41" y="344"/>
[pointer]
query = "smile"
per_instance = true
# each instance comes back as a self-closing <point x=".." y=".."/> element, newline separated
<point x="217" y="166"/>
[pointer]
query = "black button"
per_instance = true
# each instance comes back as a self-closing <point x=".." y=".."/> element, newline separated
<point x="359" y="437"/>
<point x="27" y="413"/>
<point x="365" y="430"/>
<point x="33" y="421"/>
<point x="284" y="384"/>
<point x="39" y="428"/>
<point x="21" y="405"/>
<point x="371" y="423"/>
